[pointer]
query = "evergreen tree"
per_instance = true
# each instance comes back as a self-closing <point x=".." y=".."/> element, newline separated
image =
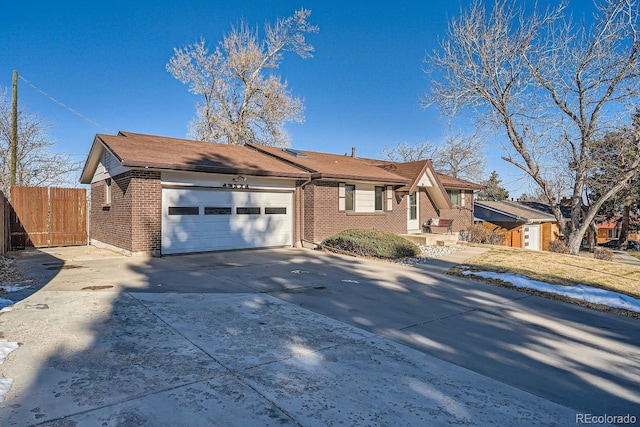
<point x="492" y="190"/>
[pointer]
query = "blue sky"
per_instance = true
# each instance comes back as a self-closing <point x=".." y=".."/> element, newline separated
<point x="107" y="61"/>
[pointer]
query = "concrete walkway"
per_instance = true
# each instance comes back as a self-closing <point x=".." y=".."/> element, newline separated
<point x="625" y="258"/>
<point x="303" y="338"/>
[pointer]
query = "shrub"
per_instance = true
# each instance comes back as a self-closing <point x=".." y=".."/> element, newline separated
<point x="372" y="243"/>
<point x="493" y="238"/>
<point x="558" y="247"/>
<point x="474" y="234"/>
<point x="605" y="254"/>
<point x="477" y="234"/>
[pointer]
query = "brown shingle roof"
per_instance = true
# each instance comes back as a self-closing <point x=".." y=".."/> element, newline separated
<point x="451" y="182"/>
<point x="335" y="166"/>
<point x="516" y="210"/>
<point x="158" y="152"/>
<point x="411" y="170"/>
<point x="138" y="150"/>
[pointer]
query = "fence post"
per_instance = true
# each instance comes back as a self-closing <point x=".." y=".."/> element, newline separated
<point x="4" y="225"/>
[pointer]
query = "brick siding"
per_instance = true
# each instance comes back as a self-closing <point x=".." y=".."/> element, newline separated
<point x="462" y="216"/>
<point x="132" y="222"/>
<point x="323" y="219"/>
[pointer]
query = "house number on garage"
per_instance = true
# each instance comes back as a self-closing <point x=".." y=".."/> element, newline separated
<point x="229" y="185"/>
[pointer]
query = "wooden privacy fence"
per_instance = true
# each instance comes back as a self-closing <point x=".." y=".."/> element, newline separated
<point x="47" y="216"/>
<point x="4" y="224"/>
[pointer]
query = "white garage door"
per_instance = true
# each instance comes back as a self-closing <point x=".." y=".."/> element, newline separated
<point x="196" y="220"/>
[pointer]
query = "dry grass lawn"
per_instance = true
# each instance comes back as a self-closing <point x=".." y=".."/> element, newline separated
<point x="560" y="269"/>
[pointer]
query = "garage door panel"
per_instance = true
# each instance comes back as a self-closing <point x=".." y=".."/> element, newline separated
<point x="219" y="226"/>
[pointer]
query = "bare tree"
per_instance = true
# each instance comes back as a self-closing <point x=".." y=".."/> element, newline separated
<point x="459" y="156"/>
<point x="37" y="165"/>
<point x="553" y="87"/>
<point x="406" y="152"/>
<point x="240" y="101"/>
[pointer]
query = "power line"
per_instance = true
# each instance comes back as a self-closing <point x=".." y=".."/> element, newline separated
<point x="77" y="113"/>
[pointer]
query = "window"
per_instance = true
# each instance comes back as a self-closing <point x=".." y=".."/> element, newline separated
<point x="350" y="197"/>
<point x="248" y="211"/>
<point x="379" y="191"/>
<point x="184" y="210"/>
<point x="454" y="196"/>
<point x="275" y="211"/>
<point x="413" y="206"/>
<point x="613" y="233"/>
<point x="107" y="191"/>
<point x="217" y="210"/>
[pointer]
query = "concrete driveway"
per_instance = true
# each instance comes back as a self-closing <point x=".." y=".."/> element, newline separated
<point x="299" y="337"/>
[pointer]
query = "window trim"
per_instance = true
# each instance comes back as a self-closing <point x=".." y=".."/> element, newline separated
<point x="108" y="196"/>
<point x="413" y="206"/>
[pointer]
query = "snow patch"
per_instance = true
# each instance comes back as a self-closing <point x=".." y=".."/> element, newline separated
<point x="13" y="288"/>
<point x="6" y="347"/>
<point x="5" y="303"/>
<point x="580" y="292"/>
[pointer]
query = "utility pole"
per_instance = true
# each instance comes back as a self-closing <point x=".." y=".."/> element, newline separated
<point x="14" y="131"/>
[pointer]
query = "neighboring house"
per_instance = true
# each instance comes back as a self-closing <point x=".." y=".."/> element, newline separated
<point x="158" y="195"/>
<point x="610" y="230"/>
<point x="523" y="224"/>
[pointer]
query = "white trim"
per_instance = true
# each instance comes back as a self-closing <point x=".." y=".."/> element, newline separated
<point x="413" y="224"/>
<point x="107" y="191"/>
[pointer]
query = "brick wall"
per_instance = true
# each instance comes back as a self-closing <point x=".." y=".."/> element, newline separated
<point x="146" y="211"/>
<point x="323" y="219"/>
<point x="462" y="216"/>
<point x="132" y="222"/>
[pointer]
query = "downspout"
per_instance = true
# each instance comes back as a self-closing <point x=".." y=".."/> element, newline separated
<point x="301" y="208"/>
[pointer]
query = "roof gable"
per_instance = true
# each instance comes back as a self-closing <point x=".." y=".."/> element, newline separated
<point x="422" y="174"/>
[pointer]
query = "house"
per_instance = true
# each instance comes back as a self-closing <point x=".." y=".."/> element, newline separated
<point x="526" y="225"/>
<point x="159" y="195"/>
<point x="610" y="230"/>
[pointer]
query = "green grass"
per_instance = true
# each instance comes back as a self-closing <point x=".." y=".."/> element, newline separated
<point x="372" y="243"/>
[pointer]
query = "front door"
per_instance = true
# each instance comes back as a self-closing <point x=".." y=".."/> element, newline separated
<point x="412" y="212"/>
<point x="532" y="237"/>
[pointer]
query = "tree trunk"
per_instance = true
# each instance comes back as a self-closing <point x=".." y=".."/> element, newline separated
<point x="594" y="230"/>
<point x="624" y="229"/>
<point x="573" y="242"/>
